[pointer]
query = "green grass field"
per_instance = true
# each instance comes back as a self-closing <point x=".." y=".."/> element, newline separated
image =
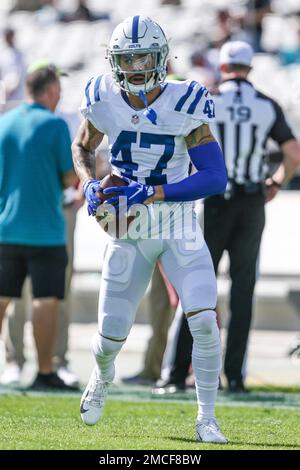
<point x="266" y="421"/>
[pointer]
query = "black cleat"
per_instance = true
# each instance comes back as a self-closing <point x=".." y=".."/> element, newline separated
<point x="138" y="380"/>
<point x="45" y="382"/>
<point x="237" y="386"/>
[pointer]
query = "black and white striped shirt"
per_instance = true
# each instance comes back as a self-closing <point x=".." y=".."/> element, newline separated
<point x="245" y="119"/>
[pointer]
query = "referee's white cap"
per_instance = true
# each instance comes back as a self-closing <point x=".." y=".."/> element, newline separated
<point x="236" y="52"/>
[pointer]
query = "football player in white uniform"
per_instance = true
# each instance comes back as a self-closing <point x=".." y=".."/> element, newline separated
<point x="155" y="129"/>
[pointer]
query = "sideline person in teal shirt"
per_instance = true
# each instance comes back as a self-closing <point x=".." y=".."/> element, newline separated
<point x="35" y="167"/>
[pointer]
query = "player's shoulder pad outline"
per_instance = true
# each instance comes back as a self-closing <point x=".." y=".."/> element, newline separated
<point x="193" y="92"/>
<point x="92" y="90"/>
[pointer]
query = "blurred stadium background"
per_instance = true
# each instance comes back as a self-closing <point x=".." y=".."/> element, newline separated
<point x="79" y="48"/>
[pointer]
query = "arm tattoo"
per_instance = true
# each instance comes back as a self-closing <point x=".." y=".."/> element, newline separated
<point x="86" y="141"/>
<point x="199" y="136"/>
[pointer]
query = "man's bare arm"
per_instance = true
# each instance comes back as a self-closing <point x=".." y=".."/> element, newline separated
<point x="69" y="179"/>
<point x="200" y="136"/>
<point x="291" y="160"/>
<point x="287" y="169"/>
<point x="87" y="139"/>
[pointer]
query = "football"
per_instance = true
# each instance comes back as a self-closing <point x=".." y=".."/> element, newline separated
<point x="103" y="217"/>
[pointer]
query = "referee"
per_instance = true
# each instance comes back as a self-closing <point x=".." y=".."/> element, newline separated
<point x="234" y="221"/>
<point x="245" y="119"/>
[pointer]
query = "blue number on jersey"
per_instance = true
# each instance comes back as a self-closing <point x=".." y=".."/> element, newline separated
<point x="156" y="176"/>
<point x="209" y="108"/>
<point x="123" y="145"/>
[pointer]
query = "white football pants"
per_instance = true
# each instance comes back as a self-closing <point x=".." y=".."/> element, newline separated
<point x="127" y="270"/>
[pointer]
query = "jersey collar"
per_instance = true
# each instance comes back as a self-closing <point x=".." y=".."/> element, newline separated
<point x="163" y="86"/>
<point x="237" y="80"/>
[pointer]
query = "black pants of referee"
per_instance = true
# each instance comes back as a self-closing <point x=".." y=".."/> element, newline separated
<point x="235" y="225"/>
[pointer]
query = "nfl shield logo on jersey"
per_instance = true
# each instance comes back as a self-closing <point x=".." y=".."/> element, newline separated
<point x="135" y="119"/>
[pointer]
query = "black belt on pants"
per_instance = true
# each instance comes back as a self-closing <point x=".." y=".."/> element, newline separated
<point x="241" y="190"/>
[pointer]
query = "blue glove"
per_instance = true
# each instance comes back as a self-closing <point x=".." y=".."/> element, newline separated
<point x="136" y="193"/>
<point x="90" y="187"/>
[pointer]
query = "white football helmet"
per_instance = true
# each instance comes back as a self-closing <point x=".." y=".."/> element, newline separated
<point x="138" y="46"/>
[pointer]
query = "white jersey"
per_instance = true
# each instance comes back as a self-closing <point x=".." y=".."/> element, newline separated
<point x="149" y="153"/>
<point x="146" y="152"/>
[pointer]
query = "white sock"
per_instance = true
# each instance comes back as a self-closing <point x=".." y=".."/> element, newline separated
<point x="105" y="351"/>
<point x="206" y="360"/>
